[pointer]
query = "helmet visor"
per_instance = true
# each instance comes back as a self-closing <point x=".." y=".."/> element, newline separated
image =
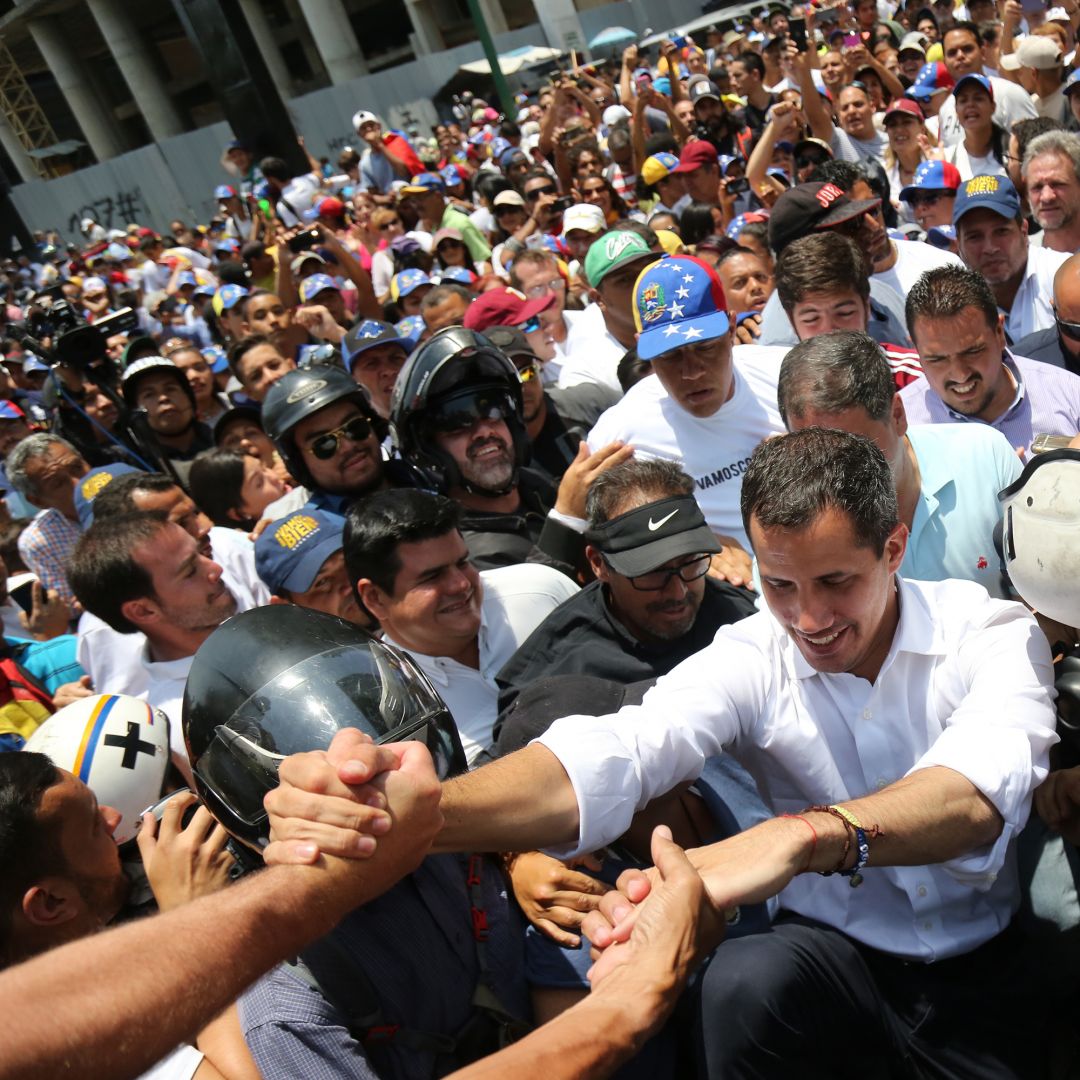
<point x="375" y="689"/>
<point x="461" y="412"/>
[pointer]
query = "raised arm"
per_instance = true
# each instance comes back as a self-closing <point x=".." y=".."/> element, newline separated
<point x="817" y="115"/>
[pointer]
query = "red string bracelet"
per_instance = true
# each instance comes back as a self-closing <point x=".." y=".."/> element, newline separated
<point x="813" y="848"/>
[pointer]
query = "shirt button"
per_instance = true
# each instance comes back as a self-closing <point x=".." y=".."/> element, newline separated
<point x="921" y="890"/>
<point x="880" y="782"/>
<point x="867" y="714"/>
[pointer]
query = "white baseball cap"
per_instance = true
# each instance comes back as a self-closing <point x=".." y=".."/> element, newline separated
<point x="583" y="216"/>
<point x="363" y="117"/>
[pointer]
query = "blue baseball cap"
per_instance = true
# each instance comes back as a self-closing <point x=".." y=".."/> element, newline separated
<point x="367" y="335"/>
<point x="215" y="356"/>
<point x="980" y="80"/>
<point x="941" y="236"/>
<point x="186" y="277"/>
<point x="31" y="362"/>
<point x="10" y="411"/>
<point x="228" y="296"/>
<point x="995" y="193"/>
<point x="410" y="329"/>
<point x="452" y="175"/>
<point x="499" y="146"/>
<point x="657" y="166"/>
<point x="1072" y="82"/>
<point x="726" y="161"/>
<point x="224" y="191"/>
<point x="203" y="290"/>
<point x="91" y="485"/>
<point x="228" y="244"/>
<point x="423" y="183"/>
<point x="734" y="230"/>
<point x="461" y="274"/>
<point x="310" y="287"/>
<point x="932" y="176"/>
<point x="119" y="252"/>
<point x="932" y="77"/>
<point x="290" y="553"/>
<point x="408" y="281"/>
<point x="677" y="301"/>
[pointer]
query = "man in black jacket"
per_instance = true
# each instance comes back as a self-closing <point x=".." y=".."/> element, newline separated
<point x="652" y="604"/>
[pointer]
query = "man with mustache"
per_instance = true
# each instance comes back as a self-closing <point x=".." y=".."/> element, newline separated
<point x="457" y="418"/>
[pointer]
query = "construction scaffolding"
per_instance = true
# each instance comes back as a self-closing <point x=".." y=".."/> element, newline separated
<point x="24" y="115"/>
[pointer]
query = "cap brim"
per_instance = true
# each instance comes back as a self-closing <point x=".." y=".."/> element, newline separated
<point x="371" y="343"/>
<point x="302" y="576"/>
<point x="534" y="307"/>
<point x="656" y="341"/>
<point x="644" y="559"/>
<point x="852" y="209"/>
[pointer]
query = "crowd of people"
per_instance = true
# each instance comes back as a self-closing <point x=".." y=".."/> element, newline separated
<point x="656" y="479"/>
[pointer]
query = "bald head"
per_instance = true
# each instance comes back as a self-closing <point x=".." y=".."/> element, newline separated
<point x="1067" y="300"/>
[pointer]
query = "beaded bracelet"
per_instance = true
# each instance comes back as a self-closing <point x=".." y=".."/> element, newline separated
<point x="862" y="842"/>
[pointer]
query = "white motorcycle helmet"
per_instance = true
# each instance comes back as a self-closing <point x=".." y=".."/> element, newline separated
<point x="1041" y="534"/>
<point x="117" y="745"/>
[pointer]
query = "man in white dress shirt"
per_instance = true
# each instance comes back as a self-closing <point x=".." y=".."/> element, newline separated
<point x="410" y="568"/>
<point x="896" y="728"/>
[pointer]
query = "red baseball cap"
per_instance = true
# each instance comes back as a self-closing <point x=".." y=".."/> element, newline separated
<point x="504" y="307"/>
<point x="695" y="155"/>
<point x="907" y="106"/>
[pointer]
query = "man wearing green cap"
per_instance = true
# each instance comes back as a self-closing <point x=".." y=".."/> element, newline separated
<point x="599" y="339"/>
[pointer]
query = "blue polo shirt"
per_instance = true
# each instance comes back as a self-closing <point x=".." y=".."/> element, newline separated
<point x="963" y="467"/>
<point x="1047" y="401"/>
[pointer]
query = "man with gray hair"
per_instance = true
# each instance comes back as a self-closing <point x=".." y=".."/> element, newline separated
<point x="1051" y="171"/>
<point x="44" y="470"/>
<point x="947" y="477"/>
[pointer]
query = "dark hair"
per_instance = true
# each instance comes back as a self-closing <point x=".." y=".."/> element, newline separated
<point x="508" y="129"/>
<point x="29" y="849"/>
<point x="102" y="573"/>
<point x="757" y="229"/>
<point x="730" y="251"/>
<point x="275" y="168"/>
<point x="639" y="227"/>
<point x="844" y="174"/>
<point x="117" y="497"/>
<point x="216" y="482"/>
<point x="148" y="243"/>
<point x="655" y="478"/>
<point x="832" y="372"/>
<point x="244" y="345"/>
<point x="255" y="294"/>
<point x="751" y="61"/>
<point x="962" y="24"/>
<point x="821" y="262"/>
<point x="942" y="293"/>
<point x="632" y="369"/>
<point x="377" y="524"/>
<point x="253" y="249"/>
<point x="696" y="222"/>
<point x="793" y="478"/>
<point x="434" y="297"/>
<point x="1031" y="127"/>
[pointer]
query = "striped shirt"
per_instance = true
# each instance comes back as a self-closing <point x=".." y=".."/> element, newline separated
<point x="1046" y="402"/>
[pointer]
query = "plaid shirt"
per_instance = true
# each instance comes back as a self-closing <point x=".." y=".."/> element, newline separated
<point x="46" y="545"/>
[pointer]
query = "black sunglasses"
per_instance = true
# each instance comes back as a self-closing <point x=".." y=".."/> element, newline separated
<point x="462" y="413"/>
<point x="325" y="446"/>
<point x="1068" y="329"/>
<point x="535" y="194"/>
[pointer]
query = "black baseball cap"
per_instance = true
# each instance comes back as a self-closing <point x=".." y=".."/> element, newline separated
<point x="808" y="208"/>
<point x="640" y="540"/>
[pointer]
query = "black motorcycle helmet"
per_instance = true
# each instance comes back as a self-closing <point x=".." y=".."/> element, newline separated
<point x="298" y="395"/>
<point x="282" y="679"/>
<point x="454" y="364"/>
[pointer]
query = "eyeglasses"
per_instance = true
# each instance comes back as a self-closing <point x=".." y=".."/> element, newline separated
<point x="389" y="224"/>
<point x="1068" y="329"/>
<point x="535" y="194"/>
<point x="449" y="244"/>
<point x="325" y="446"/>
<point x="656" y="580"/>
<point x="534" y="292"/>
<point x="461" y="413"/>
<point x="530" y="326"/>
<point x="529" y="373"/>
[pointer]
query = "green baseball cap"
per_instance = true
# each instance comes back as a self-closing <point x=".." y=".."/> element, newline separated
<point x="612" y="250"/>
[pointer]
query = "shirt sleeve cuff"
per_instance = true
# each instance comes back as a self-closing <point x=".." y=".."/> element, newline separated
<point x="579" y="525"/>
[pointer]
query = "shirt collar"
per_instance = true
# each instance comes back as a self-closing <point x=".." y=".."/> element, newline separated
<point x="1009" y="361"/>
<point x="916" y="633"/>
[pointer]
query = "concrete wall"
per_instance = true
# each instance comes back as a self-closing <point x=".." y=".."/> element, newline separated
<point x="175" y="178"/>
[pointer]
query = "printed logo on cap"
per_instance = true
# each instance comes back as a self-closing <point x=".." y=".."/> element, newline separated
<point x="828" y="194"/>
<point x="652" y="302"/>
<point x="982" y="185"/>
<point x="617" y="242"/>
<point x="293" y="531"/>
<point x="92" y="485"/>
